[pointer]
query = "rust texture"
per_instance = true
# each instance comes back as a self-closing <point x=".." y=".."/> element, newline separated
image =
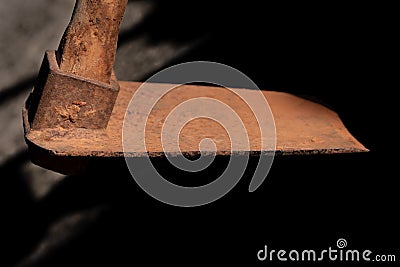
<point x="88" y="46"/>
<point x="76" y="111"/>
<point x="302" y="127"/>
<point x="60" y="99"/>
<point x="76" y="86"/>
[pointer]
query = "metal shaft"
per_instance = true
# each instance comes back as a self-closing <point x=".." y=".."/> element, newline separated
<point x="89" y="44"/>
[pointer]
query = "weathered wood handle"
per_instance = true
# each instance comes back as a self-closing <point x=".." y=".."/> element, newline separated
<point x="89" y="44"/>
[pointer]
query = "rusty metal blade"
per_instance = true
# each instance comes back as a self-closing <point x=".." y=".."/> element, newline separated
<point x="302" y="127"/>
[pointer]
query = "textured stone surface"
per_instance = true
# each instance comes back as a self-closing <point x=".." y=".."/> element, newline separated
<point x="27" y="29"/>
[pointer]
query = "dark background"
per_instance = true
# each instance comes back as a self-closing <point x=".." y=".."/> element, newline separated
<point x="332" y="53"/>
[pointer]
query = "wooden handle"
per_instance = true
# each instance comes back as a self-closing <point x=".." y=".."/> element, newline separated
<point x="89" y="44"/>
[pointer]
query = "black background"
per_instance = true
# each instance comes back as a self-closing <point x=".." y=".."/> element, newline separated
<point x="333" y="53"/>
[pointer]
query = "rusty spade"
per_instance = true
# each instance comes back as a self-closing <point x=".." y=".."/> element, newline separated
<point x="76" y="112"/>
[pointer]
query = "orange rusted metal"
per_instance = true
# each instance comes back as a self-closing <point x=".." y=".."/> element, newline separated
<point x="302" y="127"/>
<point x="76" y="111"/>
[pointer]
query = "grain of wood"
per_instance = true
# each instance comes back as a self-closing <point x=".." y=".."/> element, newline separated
<point x="89" y="44"/>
